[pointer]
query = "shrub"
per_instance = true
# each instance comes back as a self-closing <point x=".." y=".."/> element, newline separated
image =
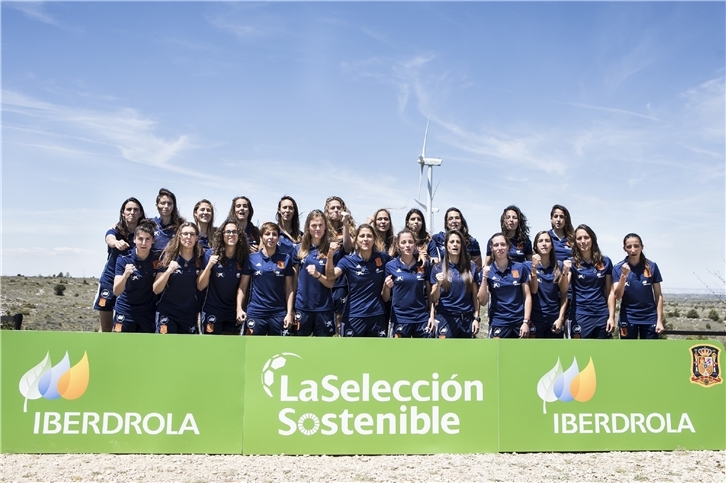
<point x="692" y="314"/>
<point x="708" y="326"/>
<point x="60" y="274"/>
<point x="674" y="313"/>
<point x="713" y="315"/>
<point x="59" y="289"/>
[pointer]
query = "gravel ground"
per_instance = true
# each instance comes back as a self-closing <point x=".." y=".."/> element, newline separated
<point x="701" y="466"/>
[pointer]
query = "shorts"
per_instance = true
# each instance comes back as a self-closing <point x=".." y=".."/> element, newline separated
<point x="454" y="326"/>
<point x="504" y="331"/>
<point x="105" y="299"/>
<point x="375" y="326"/>
<point x="318" y="324"/>
<point x="638" y="331"/>
<point x="417" y="331"/>
<point x="589" y="327"/>
<point x="266" y="325"/>
<point x="214" y="324"/>
<point x="144" y="323"/>
<point x="340" y="297"/>
<point x="543" y="330"/>
<point x="166" y="324"/>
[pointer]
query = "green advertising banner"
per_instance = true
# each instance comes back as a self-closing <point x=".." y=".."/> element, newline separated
<point x="611" y="395"/>
<point x="136" y="393"/>
<point x="121" y="393"/>
<point x="370" y="396"/>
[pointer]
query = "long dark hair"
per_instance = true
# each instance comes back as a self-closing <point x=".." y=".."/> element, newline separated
<point x="569" y="230"/>
<point x="521" y="234"/>
<point x="422" y="237"/>
<point x="556" y="270"/>
<point x="295" y="234"/>
<point x="598" y="260"/>
<point x="464" y="265"/>
<point x="121" y="227"/>
<point x="464" y="230"/>
<point x="233" y="215"/>
<point x="643" y="261"/>
<point x="241" y="249"/>
<point x="210" y="229"/>
<point x="173" y="249"/>
<point x="176" y="218"/>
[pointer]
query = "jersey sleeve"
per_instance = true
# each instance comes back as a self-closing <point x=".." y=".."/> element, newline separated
<point x="616" y="271"/>
<point x="289" y="266"/>
<point x="432" y="249"/>
<point x="121" y="265"/>
<point x="434" y="270"/>
<point x="655" y="273"/>
<point x="489" y="247"/>
<point x="247" y="267"/>
<point x="527" y="247"/>
<point x="474" y="248"/>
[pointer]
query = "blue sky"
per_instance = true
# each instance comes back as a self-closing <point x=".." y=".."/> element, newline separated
<point x="615" y="110"/>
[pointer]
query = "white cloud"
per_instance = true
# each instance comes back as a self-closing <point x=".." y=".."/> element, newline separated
<point x="35" y="11"/>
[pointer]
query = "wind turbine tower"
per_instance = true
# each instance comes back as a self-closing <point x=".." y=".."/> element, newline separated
<point x="429" y="163"/>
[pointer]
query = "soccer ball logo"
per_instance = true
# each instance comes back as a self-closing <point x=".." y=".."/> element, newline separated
<point x="272" y="365"/>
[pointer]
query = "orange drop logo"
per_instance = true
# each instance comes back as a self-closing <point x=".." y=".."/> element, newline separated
<point x="53" y="382"/>
<point x="569" y="385"/>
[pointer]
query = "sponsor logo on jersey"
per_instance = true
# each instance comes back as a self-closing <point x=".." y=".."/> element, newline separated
<point x="706" y="365"/>
<point x="52" y="382"/>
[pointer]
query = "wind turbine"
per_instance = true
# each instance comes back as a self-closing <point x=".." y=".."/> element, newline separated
<point x="430" y="163"/>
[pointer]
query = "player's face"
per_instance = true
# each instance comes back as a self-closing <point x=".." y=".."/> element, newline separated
<point x="270" y="238"/>
<point x="544" y="245"/>
<point x="511" y="220"/>
<point x="231" y="235"/>
<point x="583" y="240"/>
<point x="453" y="220"/>
<point x="406" y="244"/>
<point x="364" y="240"/>
<point x="204" y="213"/>
<point x="453" y="245"/>
<point x="633" y="247"/>
<point x="143" y="242"/>
<point x="316" y="229"/>
<point x="287" y="210"/>
<point x="415" y="223"/>
<point x="241" y="209"/>
<point x="499" y="247"/>
<point x="165" y="206"/>
<point x="383" y="221"/>
<point x="132" y="212"/>
<point x="334" y="210"/>
<point x="188" y="237"/>
<point x="558" y="220"/>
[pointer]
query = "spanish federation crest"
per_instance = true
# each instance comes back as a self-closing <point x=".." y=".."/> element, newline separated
<point x="706" y="365"/>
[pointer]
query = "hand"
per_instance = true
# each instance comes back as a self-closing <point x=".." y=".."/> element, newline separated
<point x="474" y="327"/>
<point x="129" y="269"/>
<point x="536" y="260"/>
<point x="557" y="326"/>
<point x="241" y="316"/>
<point x="254" y="248"/>
<point x="439" y="277"/>
<point x="334" y="247"/>
<point x="369" y="220"/>
<point x="610" y="325"/>
<point x="626" y="270"/>
<point x="121" y="245"/>
<point x="173" y="265"/>
<point x="567" y="264"/>
<point x="287" y="322"/>
<point x="212" y="260"/>
<point x="485" y="272"/>
<point x="312" y="270"/>
<point x="524" y="330"/>
<point x="389" y="281"/>
<point x="431" y="326"/>
<point x="659" y="329"/>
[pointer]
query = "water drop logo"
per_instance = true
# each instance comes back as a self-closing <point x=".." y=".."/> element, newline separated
<point x="52" y="382"/>
<point x="568" y="385"/>
<point x="272" y="365"/>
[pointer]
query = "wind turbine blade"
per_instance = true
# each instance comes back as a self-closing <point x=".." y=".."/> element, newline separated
<point x="436" y="189"/>
<point x="420" y="177"/>
<point x="426" y="133"/>
<point x="420" y="204"/>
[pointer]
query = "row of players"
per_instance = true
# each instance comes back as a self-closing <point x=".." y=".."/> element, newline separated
<point x="332" y="277"/>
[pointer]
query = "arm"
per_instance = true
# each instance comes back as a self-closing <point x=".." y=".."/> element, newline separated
<point x="610" y="294"/>
<point x="524" y="329"/>
<point x="290" y="299"/>
<point x="244" y="283"/>
<point x="119" y="281"/>
<point x="331" y="271"/>
<point x="563" y="284"/>
<point x="475" y="301"/>
<point x="387" y="286"/>
<point x="114" y="242"/>
<point x="659" y="328"/>
<point x="431" y="326"/>
<point x="203" y="278"/>
<point x="533" y="281"/>
<point x="619" y="285"/>
<point x="163" y="278"/>
<point x="483" y="295"/>
<point x="347" y="239"/>
<point x="313" y="272"/>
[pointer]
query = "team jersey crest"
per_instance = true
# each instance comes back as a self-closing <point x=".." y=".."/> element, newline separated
<point x="706" y="365"/>
<point x="379" y="262"/>
<point x="280" y="264"/>
<point x="515" y="273"/>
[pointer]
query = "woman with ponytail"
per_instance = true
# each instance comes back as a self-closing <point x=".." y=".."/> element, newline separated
<point x="637" y="284"/>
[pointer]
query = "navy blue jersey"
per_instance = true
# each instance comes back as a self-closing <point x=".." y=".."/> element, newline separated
<point x="138" y="296"/>
<point x="518" y="252"/>
<point x="638" y="305"/>
<point x="311" y="295"/>
<point x="221" y="293"/>
<point x="506" y="300"/>
<point x="162" y="234"/>
<point x="588" y="288"/>
<point x="457" y="299"/>
<point x="267" y="280"/>
<point x="285" y="244"/>
<point x="437" y="246"/>
<point x="341" y="281"/>
<point x="562" y="247"/>
<point x="204" y="242"/>
<point x="109" y="270"/>
<point x="365" y="282"/>
<point x="546" y="302"/>
<point x="409" y="296"/>
<point x="251" y="240"/>
<point x="179" y="298"/>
